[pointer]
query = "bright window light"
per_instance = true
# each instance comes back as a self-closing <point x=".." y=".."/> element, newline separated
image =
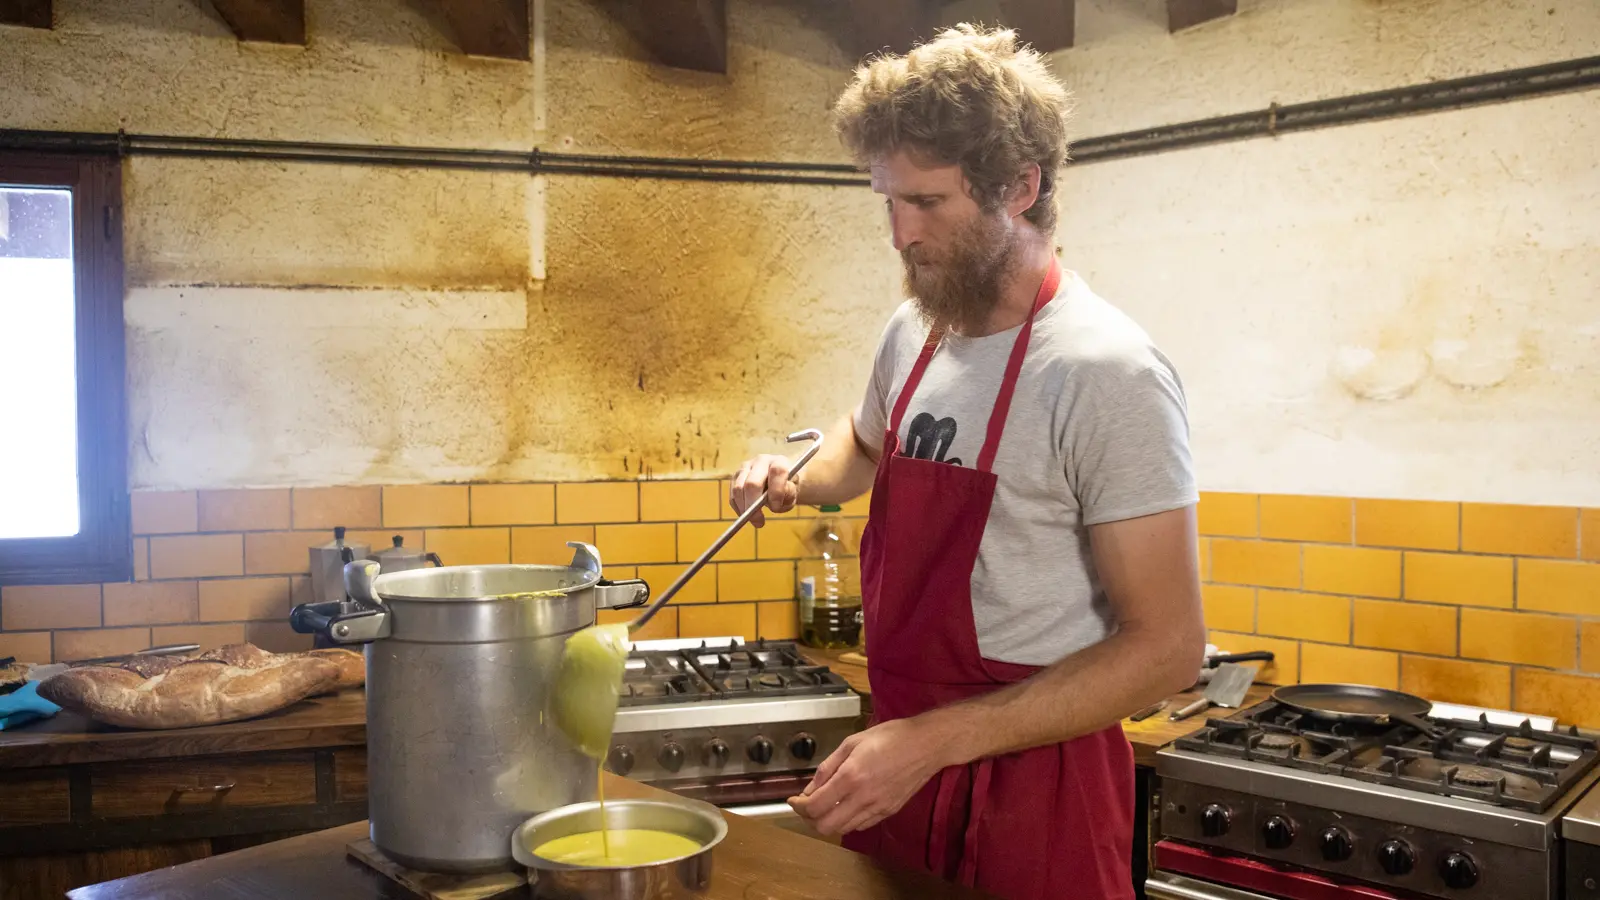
<point x="38" y="366"/>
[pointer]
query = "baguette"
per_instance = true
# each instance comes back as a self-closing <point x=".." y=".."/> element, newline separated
<point x="352" y="664"/>
<point x="224" y="685"/>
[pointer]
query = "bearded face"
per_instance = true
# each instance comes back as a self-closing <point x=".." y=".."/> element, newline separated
<point x="958" y="286"/>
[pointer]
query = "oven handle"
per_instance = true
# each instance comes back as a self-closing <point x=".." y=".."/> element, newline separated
<point x="1166" y="886"/>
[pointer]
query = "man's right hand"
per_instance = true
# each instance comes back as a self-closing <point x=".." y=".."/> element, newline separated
<point x="767" y="472"/>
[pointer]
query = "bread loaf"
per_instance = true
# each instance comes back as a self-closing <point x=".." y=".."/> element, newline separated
<point x="223" y="685"/>
<point x="352" y="665"/>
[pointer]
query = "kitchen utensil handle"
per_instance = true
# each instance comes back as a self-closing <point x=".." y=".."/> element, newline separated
<point x="816" y="444"/>
<point x="1264" y="655"/>
<point x="150" y="651"/>
<point x="1148" y="711"/>
<point x="1190" y="710"/>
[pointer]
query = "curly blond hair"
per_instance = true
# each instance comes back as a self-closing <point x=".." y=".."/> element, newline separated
<point x="971" y="96"/>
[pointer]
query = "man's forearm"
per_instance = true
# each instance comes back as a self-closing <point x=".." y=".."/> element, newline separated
<point x="1079" y="695"/>
<point x="841" y="471"/>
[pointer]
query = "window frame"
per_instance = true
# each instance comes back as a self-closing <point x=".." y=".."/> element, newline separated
<point x="102" y="550"/>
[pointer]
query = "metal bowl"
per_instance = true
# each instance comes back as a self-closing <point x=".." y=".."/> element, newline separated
<point x="684" y="877"/>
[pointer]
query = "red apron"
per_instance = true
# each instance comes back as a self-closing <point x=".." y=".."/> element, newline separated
<point x="1050" y="823"/>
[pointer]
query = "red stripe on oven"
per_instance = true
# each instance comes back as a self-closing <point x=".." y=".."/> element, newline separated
<point x="1254" y="875"/>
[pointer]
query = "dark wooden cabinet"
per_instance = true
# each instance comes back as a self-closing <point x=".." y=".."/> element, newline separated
<point x="81" y="803"/>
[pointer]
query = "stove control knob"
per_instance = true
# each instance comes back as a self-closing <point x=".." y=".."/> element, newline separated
<point x="1395" y="857"/>
<point x="715" y="753"/>
<point x="1278" y="832"/>
<point x="1336" y="844"/>
<point x="620" y="759"/>
<point x="1214" y="820"/>
<point x="670" y="757"/>
<point x="1458" y="871"/>
<point x="759" y="750"/>
<point x="804" y="746"/>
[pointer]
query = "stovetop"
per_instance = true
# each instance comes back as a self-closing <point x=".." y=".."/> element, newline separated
<point x="1510" y="767"/>
<point x="757" y="670"/>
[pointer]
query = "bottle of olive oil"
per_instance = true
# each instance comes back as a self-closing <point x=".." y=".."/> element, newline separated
<point x="829" y="589"/>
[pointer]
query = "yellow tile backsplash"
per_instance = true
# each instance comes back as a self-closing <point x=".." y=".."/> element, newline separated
<point x="1311" y="617"/>
<point x="1492" y="604"/>
<point x="1296" y="518"/>
<point x="656" y="542"/>
<point x="1231" y="515"/>
<point x="1459" y="578"/>
<point x="418" y="505"/>
<point x="512" y="504"/>
<point x="1559" y="586"/>
<point x="1519" y="530"/>
<point x="1321" y="663"/>
<point x="1360" y="571"/>
<point x="1418" y="524"/>
<point x="1417" y="627"/>
<point x="325" y="507"/>
<point x="1514" y="637"/>
<point x="1229" y="607"/>
<point x="1261" y="563"/>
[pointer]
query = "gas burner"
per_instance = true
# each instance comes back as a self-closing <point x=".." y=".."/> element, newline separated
<point x="1276" y="742"/>
<point x="1477" y="776"/>
<point x="1520" y="743"/>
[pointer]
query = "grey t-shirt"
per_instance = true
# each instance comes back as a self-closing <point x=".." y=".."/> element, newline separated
<point x="1098" y="431"/>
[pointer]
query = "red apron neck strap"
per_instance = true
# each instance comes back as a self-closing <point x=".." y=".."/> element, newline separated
<point x="1008" y="384"/>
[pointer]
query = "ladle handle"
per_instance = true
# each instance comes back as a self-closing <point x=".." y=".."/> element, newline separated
<point x="816" y="444"/>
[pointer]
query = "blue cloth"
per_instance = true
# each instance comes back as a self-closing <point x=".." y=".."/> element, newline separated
<point x="24" y="705"/>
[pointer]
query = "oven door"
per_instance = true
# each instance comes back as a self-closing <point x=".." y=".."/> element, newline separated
<point x="1167" y="886"/>
<point x="1184" y="872"/>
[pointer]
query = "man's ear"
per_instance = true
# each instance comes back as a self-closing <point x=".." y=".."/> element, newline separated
<point x="1024" y="191"/>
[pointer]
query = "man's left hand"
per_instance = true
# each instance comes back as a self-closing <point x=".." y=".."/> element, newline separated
<point x="870" y="776"/>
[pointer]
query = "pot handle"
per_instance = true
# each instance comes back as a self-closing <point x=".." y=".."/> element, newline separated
<point x="434" y="558"/>
<point x="624" y="594"/>
<point x="367" y="619"/>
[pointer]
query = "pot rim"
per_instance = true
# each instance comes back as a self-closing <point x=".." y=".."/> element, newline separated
<point x="384" y="585"/>
<point x="524" y="854"/>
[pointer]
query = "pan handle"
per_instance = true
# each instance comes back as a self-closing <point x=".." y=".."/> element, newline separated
<point x="1419" y="723"/>
<point x="1219" y="659"/>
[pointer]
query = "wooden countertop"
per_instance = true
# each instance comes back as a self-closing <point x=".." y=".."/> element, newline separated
<point x="1147" y="736"/>
<point x="336" y="720"/>
<point x="331" y="720"/>
<point x="756" y="861"/>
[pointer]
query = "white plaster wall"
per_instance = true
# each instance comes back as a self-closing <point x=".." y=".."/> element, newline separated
<point x="1407" y="308"/>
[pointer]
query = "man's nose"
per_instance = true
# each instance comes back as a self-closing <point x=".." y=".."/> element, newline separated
<point x="903" y="228"/>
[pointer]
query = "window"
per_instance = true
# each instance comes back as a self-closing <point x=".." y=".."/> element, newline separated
<point x="63" y="457"/>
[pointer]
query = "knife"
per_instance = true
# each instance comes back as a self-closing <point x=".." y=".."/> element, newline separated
<point x="1148" y="711"/>
<point x="40" y="673"/>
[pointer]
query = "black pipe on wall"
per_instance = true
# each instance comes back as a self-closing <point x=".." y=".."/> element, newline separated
<point x="1455" y="93"/>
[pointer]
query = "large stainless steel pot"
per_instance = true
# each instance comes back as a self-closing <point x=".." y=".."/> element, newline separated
<point x="459" y="660"/>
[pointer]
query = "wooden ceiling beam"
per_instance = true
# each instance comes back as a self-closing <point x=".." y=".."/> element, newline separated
<point x="1183" y="14"/>
<point x="686" y="34"/>
<point x="27" y="13"/>
<point x="1048" y="25"/>
<point x="272" y="21"/>
<point x="892" y="25"/>
<point x="496" y="28"/>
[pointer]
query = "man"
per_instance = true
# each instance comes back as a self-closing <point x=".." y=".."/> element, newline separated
<point x="1029" y="565"/>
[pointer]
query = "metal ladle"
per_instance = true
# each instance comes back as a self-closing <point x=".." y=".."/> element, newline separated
<point x="644" y="617"/>
<point x="594" y="660"/>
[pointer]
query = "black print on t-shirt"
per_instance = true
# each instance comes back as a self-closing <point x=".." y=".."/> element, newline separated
<point x="930" y="438"/>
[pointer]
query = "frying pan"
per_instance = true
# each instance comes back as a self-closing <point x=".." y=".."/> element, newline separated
<point x="1357" y="703"/>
